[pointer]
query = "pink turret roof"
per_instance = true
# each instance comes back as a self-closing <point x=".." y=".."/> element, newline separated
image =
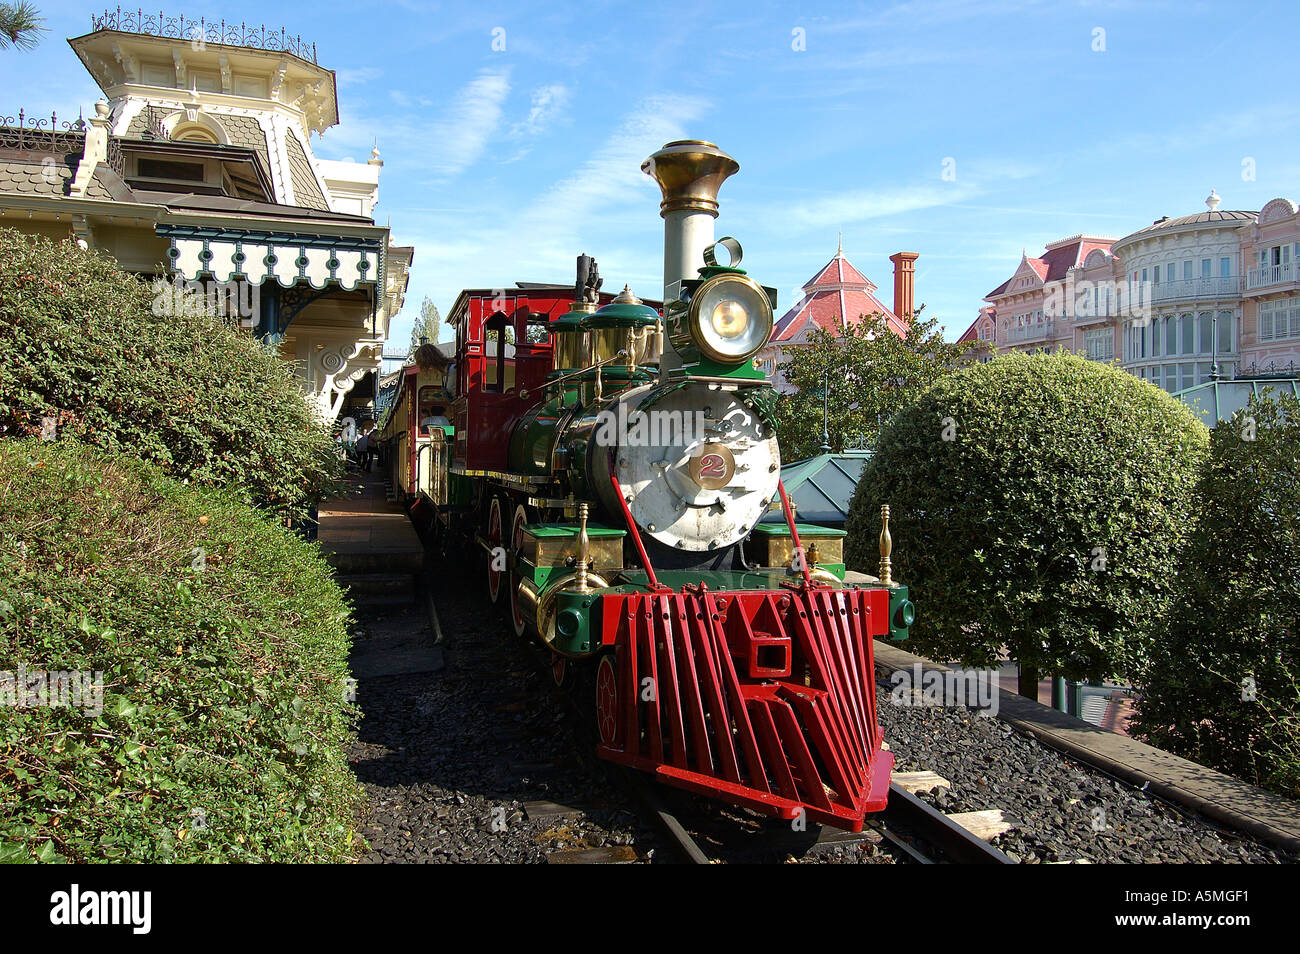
<point x="836" y="294"/>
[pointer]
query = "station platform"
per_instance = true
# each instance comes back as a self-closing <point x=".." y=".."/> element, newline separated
<point x="362" y="531"/>
<point x="1221" y="797"/>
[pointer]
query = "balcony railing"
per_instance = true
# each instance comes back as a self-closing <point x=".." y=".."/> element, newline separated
<point x="1031" y="332"/>
<point x="1271" y="275"/>
<point x="1222" y="287"/>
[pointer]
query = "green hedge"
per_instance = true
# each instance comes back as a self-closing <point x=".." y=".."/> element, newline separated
<point x="1223" y="687"/>
<point x="1038" y="503"/>
<point x="224" y="719"/>
<point x="81" y="345"/>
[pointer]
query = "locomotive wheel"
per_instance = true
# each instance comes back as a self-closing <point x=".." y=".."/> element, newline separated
<point x="562" y="671"/>
<point x="606" y="702"/>
<point x="494" y="536"/>
<point x="517" y="619"/>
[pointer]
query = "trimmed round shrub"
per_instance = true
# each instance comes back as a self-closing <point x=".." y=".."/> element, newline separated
<point x="88" y="351"/>
<point x="219" y="640"/>
<point x="1223" y="687"/>
<point x="1038" y="504"/>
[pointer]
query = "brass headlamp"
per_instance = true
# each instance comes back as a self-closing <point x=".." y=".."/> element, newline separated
<point x="725" y="316"/>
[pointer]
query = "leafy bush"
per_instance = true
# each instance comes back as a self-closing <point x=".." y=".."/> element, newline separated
<point x="1038" y="504"/>
<point x="222" y="641"/>
<point x="80" y="345"/>
<point x="1222" y="687"/>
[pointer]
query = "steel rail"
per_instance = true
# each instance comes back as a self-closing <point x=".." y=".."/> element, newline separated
<point x="955" y="842"/>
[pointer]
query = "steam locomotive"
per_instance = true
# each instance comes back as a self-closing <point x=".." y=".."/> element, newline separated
<point x="612" y="464"/>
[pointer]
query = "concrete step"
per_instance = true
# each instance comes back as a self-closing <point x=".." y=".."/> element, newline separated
<point x="378" y="584"/>
<point x="373" y="665"/>
<point x="400" y="560"/>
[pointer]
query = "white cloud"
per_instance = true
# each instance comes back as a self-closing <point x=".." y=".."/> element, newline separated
<point x="606" y="207"/>
<point x="357" y="77"/>
<point x="860" y="205"/>
<point x="464" y="133"/>
<point x="548" y="105"/>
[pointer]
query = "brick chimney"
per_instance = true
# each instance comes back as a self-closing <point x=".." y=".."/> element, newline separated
<point x="904" y="282"/>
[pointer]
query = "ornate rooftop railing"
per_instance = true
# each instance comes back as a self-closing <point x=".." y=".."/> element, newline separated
<point x="203" y="30"/>
<point x="54" y="136"/>
<point x="41" y="134"/>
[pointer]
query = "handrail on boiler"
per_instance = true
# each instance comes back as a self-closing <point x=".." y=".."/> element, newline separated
<point x="631" y="527"/>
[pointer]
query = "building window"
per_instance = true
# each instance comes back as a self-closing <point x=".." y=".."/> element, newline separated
<point x="1225" y="332"/>
<point x="1225" y="268"/>
<point x="1171" y="336"/>
<point x="1187" y="270"/>
<point x="1099" y="344"/>
<point x="1204" y="323"/>
<point x="1205" y="267"/>
<point x="1279" y="320"/>
<point x="1189" y="346"/>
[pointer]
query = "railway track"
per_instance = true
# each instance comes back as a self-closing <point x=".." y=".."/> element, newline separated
<point x="916" y="830"/>
<point x="695" y="832"/>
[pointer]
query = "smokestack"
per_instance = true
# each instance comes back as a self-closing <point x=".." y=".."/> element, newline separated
<point x="904" y="283"/>
<point x="689" y="172"/>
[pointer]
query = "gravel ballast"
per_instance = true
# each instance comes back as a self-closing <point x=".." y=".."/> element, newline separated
<point x="481" y="761"/>
<point x="1066" y="812"/>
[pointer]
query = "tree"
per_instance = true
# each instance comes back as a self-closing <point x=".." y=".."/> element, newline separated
<point x="1222" y="685"/>
<point x="872" y="374"/>
<point x="1038" y="503"/>
<point x="20" y="26"/>
<point x="428" y="325"/>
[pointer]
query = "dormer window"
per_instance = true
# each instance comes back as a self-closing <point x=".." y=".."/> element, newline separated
<point x="193" y="133"/>
<point x="170" y="169"/>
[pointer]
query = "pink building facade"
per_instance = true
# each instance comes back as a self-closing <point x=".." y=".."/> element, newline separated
<point x="1175" y="303"/>
<point x="1270" y="251"/>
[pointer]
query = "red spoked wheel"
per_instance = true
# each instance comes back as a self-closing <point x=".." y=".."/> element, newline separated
<point x="607" y="700"/>
<point x="495" y="569"/>
<point x="517" y="619"/>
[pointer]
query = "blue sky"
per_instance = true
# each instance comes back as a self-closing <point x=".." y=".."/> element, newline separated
<point x="502" y="165"/>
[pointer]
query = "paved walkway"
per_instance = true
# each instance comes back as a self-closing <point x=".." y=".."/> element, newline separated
<point x="1214" y="794"/>
<point x="363" y="532"/>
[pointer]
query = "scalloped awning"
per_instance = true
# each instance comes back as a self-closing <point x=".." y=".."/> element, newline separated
<point x="289" y="259"/>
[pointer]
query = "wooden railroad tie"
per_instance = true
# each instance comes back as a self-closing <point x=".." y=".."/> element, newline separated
<point x="986" y="825"/>
<point x="916" y="782"/>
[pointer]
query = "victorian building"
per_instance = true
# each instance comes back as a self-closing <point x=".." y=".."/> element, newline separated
<point x="196" y="170"/>
<point x="1184" y="301"/>
<point x="837" y="297"/>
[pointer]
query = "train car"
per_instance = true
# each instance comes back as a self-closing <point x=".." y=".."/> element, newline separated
<point x="610" y="465"/>
<point x="417" y="425"/>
